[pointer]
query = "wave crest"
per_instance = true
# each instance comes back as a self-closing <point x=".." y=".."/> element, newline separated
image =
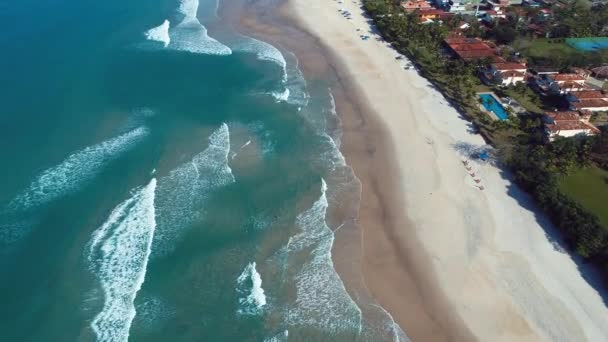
<point x="76" y="170"/>
<point x="249" y="286"/>
<point x="183" y="192"/>
<point x="119" y="251"/>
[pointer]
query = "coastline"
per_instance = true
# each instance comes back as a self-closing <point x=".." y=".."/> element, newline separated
<point x="448" y="261"/>
<point x="379" y="262"/>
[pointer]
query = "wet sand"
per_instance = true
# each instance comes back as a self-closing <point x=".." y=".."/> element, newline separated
<point x="377" y="256"/>
<point x="446" y="259"/>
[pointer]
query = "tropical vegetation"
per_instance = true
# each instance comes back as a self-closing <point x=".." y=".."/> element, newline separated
<point x="540" y="168"/>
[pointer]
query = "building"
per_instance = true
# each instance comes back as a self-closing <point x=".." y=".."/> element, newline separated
<point x="469" y="49"/>
<point x="429" y="14"/>
<point x="563" y="83"/>
<point x="497" y="5"/>
<point x="577" y="96"/>
<point x="456" y="6"/>
<point x="592" y="105"/>
<point x="568" y="124"/>
<point x="413" y="5"/>
<point x="600" y="72"/>
<point x="505" y="73"/>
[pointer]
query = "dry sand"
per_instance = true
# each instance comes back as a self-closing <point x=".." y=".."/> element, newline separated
<point x="463" y="262"/>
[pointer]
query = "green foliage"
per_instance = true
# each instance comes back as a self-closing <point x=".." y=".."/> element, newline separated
<point x="588" y="186"/>
<point x="537" y="166"/>
<point x="580" y="20"/>
<point x="556" y="53"/>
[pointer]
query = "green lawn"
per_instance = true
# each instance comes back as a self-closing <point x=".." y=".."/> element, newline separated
<point x="589" y="187"/>
<point x="543" y="47"/>
<point x="529" y="99"/>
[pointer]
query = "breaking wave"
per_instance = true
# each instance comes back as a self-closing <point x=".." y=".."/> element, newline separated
<point x="280" y="337"/>
<point x="190" y="35"/>
<point x="184" y="32"/>
<point x="263" y="51"/>
<point x="182" y="193"/>
<point x="249" y="287"/>
<point x="74" y="171"/>
<point x="159" y="33"/>
<point x="281" y="96"/>
<point x="328" y="307"/>
<point x="118" y="253"/>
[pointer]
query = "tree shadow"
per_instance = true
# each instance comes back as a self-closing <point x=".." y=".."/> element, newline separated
<point x="476" y="152"/>
<point x="589" y="273"/>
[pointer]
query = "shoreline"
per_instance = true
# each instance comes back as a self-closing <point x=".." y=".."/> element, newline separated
<point x="359" y="249"/>
<point x="446" y="260"/>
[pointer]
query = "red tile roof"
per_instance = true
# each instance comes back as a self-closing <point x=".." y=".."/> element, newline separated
<point x="411" y="6"/>
<point x="567" y="77"/>
<point x="570" y="126"/>
<point x="589" y="94"/>
<point x="432" y="11"/>
<point x="512" y="73"/>
<point x="590" y="103"/>
<point x="508" y="66"/>
<point x="469" y="48"/>
<point x="563" y="116"/>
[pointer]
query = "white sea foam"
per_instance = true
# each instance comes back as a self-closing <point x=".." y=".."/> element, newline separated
<point x="281" y="96"/>
<point x="75" y="171"/>
<point x="159" y="33"/>
<point x="249" y="286"/>
<point x="118" y="253"/>
<point x="391" y="327"/>
<point x="327" y="307"/>
<point x="182" y="193"/>
<point x="280" y="337"/>
<point x="151" y="313"/>
<point x="263" y="51"/>
<point x="190" y="35"/>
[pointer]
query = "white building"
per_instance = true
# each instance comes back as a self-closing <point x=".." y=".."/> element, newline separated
<point x="506" y="74"/>
<point x="568" y="124"/>
<point x="456" y="6"/>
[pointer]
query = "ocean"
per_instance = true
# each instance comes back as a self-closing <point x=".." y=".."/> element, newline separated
<point x="165" y="183"/>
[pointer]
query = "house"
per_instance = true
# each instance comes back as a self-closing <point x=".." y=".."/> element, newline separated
<point x="568" y="124"/>
<point x="429" y="14"/>
<point x="413" y="5"/>
<point x="505" y="73"/>
<point x="497" y="5"/>
<point x="537" y="30"/>
<point x="490" y="15"/>
<point x="544" y="14"/>
<point x="580" y="71"/>
<point x="577" y="96"/>
<point x="592" y="105"/>
<point x="540" y="71"/>
<point x="469" y="49"/>
<point x="600" y="72"/>
<point x="564" y="83"/>
<point x="456" y="6"/>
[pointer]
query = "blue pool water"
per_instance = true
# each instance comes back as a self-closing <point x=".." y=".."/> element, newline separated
<point x="494" y="106"/>
<point x="588" y="44"/>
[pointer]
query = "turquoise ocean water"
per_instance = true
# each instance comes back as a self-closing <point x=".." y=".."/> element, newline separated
<point x="161" y="185"/>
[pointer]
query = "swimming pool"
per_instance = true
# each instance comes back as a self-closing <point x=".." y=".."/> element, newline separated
<point x="491" y="103"/>
<point x="589" y="43"/>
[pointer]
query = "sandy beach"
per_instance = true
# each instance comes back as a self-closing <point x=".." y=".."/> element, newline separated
<point x="448" y="261"/>
<point x="490" y="252"/>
